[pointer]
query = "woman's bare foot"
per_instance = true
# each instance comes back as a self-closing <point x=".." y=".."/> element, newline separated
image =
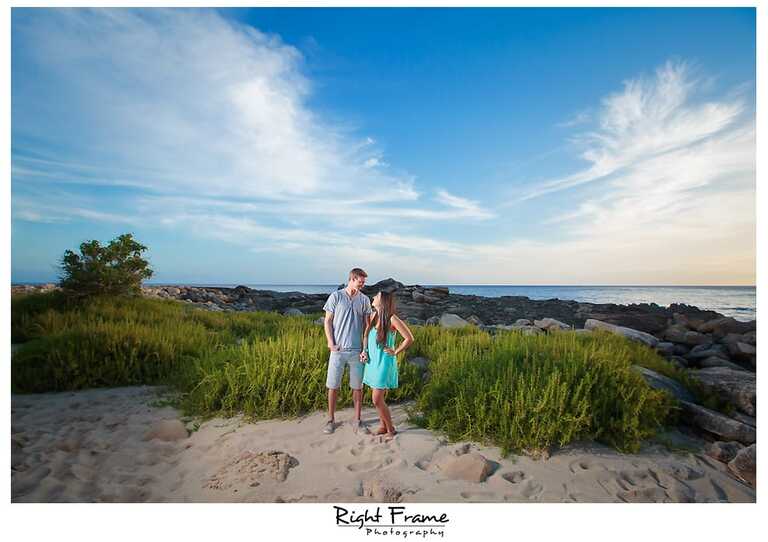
<point x="391" y="434"/>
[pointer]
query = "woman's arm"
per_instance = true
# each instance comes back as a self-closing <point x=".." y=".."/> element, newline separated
<point x="403" y="329"/>
<point x="364" y="339"/>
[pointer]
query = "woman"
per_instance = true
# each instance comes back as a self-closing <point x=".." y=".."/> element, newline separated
<point x="380" y="355"/>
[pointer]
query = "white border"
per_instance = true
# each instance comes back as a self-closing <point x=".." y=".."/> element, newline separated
<point x="246" y="521"/>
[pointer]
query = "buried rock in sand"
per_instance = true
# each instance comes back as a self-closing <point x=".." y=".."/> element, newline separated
<point x="470" y="467"/>
<point x="251" y="466"/>
<point x="168" y="430"/>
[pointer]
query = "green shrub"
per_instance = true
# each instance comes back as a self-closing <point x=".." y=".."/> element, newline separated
<point x="115" y="269"/>
<point x="519" y="392"/>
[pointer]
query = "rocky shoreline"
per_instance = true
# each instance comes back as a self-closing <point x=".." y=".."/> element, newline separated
<point x="719" y="352"/>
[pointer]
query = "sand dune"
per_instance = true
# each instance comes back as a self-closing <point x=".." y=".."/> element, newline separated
<point x="107" y="445"/>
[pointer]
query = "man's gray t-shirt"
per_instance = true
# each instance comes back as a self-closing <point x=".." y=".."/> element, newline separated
<point x="349" y="315"/>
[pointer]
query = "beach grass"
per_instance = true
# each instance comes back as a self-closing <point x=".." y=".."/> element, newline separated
<point x="516" y="391"/>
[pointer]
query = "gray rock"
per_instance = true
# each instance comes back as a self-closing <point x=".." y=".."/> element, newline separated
<point x="168" y="430"/>
<point x="523" y="322"/>
<point x="723" y="451"/>
<point x="716" y="361"/>
<point x="475" y="321"/>
<point x="720" y="327"/>
<point x="550" y="324"/>
<point x="421" y="363"/>
<point x="413" y="321"/>
<point x="528" y="330"/>
<point x="420" y="297"/>
<point x="743" y="418"/>
<point x="173" y="291"/>
<point x="452" y="321"/>
<point x="717" y="424"/>
<point x="703" y="351"/>
<point x="433" y="321"/>
<point x="736" y="387"/>
<point x="675" y="333"/>
<point x="744" y="465"/>
<point x="320" y="321"/>
<point x="661" y="382"/>
<point x="381" y="490"/>
<point x="695" y="338"/>
<point x="292" y="312"/>
<point x="665" y="348"/>
<point x="583" y="331"/>
<point x="470" y="467"/>
<point x="742" y="351"/>
<point x="631" y="334"/>
<point x="679" y="361"/>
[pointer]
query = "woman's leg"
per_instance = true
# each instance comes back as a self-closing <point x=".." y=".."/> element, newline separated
<point x="379" y="396"/>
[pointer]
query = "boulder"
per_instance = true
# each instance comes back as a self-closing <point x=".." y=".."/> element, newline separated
<point x="736" y="387"/>
<point x="452" y="321"/>
<point x="704" y="351"/>
<point x="741" y="351"/>
<point x="717" y="424"/>
<point x="381" y="490"/>
<point x="420" y="297"/>
<point x="744" y="465"/>
<point x="631" y="334"/>
<point x="528" y="330"/>
<point x="523" y="322"/>
<point x="661" y="382"/>
<point x="292" y="312"/>
<point x="320" y="321"/>
<point x="386" y="285"/>
<point x="421" y="363"/>
<point x="168" y="430"/>
<point x="413" y="321"/>
<point x="716" y="361"/>
<point x="679" y="361"/>
<point x="437" y="291"/>
<point x="665" y="348"/>
<point x="675" y="333"/>
<point x="470" y="467"/>
<point x="433" y="321"/>
<point x="695" y="338"/>
<point x="721" y="327"/>
<point x="723" y="451"/>
<point x="474" y="320"/>
<point x="550" y="324"/>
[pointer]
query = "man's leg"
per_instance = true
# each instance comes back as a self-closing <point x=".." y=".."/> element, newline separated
<point x="332" y="382"/>
<point x="332" y="396"/>
<point x="357" y="399"/>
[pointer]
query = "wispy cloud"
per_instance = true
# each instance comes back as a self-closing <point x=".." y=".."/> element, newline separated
<point x="651" y="117"/>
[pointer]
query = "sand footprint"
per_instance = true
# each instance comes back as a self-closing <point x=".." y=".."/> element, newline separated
<point x="369" y="465"/>
<point x="514" y="477"/>
<point x="478" y="496"/>
<point x="650" y="494"/>
<point x="532" y="490"/>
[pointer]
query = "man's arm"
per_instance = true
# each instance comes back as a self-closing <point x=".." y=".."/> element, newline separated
<point x="328" y="325"/>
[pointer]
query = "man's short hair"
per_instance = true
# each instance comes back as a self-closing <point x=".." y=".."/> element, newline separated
<point x="356" y="273"/>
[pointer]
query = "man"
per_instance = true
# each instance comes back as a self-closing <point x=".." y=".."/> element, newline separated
<point x="347" y="312"/>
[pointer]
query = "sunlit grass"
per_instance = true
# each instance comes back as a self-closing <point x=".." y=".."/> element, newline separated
<point x="519" y="392"/>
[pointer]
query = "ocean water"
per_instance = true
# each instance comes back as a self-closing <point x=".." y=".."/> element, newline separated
<point x="736" y="301"/>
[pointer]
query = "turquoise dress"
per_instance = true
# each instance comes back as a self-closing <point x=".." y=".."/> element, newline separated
<point x="381" y="369"/>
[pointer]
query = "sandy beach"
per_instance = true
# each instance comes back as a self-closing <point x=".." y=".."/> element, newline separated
<point x="122" y="445"/>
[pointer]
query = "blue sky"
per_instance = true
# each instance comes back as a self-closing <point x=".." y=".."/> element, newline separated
<point x="461" y="146"/>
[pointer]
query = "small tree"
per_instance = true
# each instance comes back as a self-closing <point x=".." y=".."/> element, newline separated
<point x="116" y="269"/>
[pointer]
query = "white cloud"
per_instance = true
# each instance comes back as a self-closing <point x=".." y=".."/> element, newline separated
<point x="463" y="206"/>
<point x="650" y="117"/>
<point x="178" y="101"/>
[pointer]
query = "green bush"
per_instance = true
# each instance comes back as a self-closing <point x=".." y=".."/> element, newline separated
<point x="519" y="392"/>
<point x="115" y="269"/>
